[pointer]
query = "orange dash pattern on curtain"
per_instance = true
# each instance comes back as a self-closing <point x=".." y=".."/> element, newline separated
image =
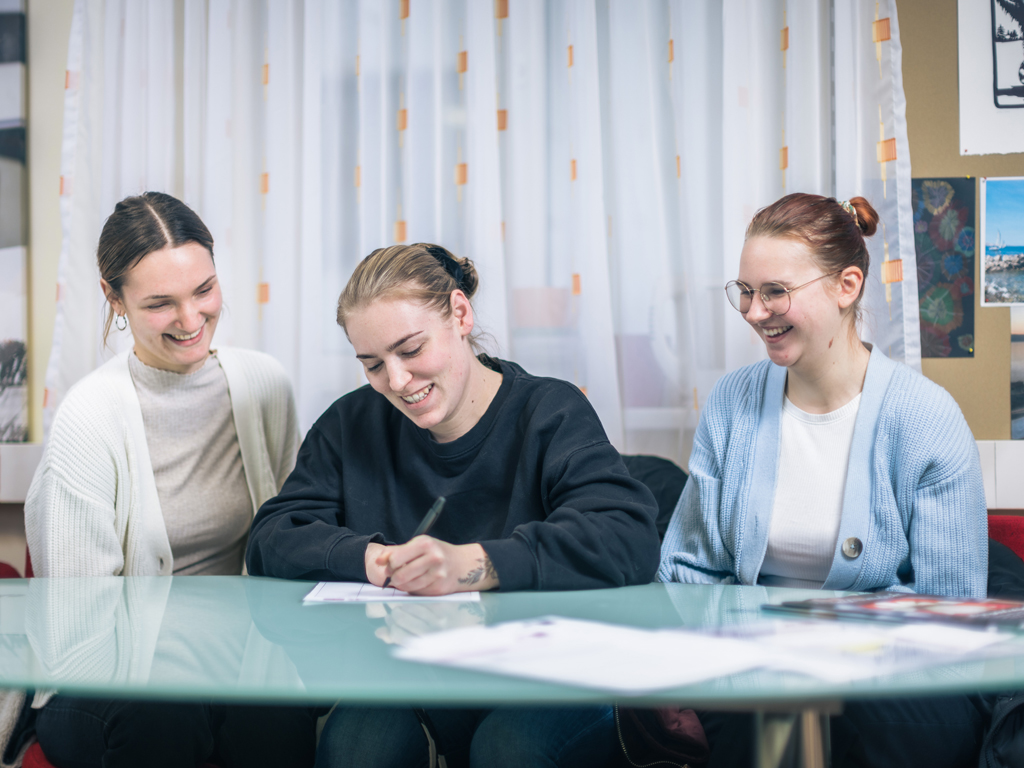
<point x="599" y="161"/>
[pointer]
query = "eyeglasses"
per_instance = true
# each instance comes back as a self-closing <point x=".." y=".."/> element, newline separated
<point x="776" y="297"/>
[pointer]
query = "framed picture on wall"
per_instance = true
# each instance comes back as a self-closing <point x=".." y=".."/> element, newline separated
<point x="13" y="351"/>
<point x="1008" y="53"/>
<point x="990" y="59"/>
<point x="1001" y="231"/>
<point x="1017" y="373"/>
<point x="13" y="231"/>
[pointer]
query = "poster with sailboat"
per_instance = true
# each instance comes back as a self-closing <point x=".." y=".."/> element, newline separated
<point x="1002" y="237"/>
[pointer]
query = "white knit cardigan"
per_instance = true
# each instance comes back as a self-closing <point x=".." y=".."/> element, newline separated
<point x="92" y="508"/>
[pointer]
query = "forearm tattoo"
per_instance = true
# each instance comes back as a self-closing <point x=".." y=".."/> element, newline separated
<point x="484" y="570"/>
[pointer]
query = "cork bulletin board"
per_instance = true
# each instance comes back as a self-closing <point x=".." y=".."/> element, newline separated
<point x="928" y="32"/>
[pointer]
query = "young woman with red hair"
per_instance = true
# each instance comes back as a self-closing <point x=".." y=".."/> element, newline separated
<point x="829" y="466"/>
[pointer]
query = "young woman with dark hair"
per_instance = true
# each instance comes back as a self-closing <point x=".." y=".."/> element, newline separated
<point x="830" y="466"/>
<point x="155" y="465"/>
<point x="537" y="499"/>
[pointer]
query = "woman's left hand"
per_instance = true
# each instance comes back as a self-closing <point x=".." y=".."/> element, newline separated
<point x="429" y="566"/>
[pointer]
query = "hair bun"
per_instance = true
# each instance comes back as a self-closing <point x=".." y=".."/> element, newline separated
<point x="867" y="216"/>
<point x="461" y="270"/>
<point x="470" y="280"/>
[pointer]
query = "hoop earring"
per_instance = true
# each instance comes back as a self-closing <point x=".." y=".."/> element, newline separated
<point x="117" y="322"/>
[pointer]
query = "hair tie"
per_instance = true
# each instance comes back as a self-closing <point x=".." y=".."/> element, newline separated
<point x="847" y="206"/>
<point x="451" y="266"/>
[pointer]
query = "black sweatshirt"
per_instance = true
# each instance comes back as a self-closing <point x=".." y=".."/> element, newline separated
<point x="535" y="482"/>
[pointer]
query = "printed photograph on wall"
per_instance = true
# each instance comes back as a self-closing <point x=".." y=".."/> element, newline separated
<point x="1008" y="53"/>
<point x="944" y="238"/>
<point x="1002" y="237"/>
<point x="1017" y="373"/>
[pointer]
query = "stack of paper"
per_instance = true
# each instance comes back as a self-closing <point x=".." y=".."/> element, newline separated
<point x="609" y="657"/>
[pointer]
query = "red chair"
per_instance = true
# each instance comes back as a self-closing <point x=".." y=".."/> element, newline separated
<point x="34" y="757"/>
<point x="8" y="571"/>
<point x="1008" y="530"/>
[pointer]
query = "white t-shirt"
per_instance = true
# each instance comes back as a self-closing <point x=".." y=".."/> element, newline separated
<point x="813" y="461"/>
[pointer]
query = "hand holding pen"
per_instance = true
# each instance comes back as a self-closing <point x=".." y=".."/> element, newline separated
<point x="425" y="525"/>
<point x="428" y="566"/>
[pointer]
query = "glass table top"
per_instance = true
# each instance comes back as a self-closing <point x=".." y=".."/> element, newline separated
<point x="252" y="639"/>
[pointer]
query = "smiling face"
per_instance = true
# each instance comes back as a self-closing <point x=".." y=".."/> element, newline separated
<point x="819" y="313"/>
<point x="173" y="301"/>
<point x="420" y="360"/>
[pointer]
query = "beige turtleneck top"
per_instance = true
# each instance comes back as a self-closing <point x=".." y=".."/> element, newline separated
<point x="197" y="465"/>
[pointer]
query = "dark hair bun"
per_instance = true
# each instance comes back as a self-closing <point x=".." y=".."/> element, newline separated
<point x="867" y="216"/>
<point x="470" y="280"/>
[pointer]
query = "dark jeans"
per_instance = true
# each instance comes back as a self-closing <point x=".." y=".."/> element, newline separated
<point x="938" y="732"/>
<point x="582" y="737"/>
<point x="92" y="733"/>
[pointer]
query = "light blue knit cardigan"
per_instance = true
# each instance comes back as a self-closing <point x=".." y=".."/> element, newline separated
<point x="914" y="494"/>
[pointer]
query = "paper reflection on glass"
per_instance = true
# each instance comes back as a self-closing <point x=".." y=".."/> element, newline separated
<point x="404" y="621"/>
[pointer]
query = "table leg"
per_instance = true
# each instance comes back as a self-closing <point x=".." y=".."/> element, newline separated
<point x="787" y="740"/>
<point x="814" y="732"/>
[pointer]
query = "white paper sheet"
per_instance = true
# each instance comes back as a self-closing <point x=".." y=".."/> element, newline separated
<point x="842" y="651"/>
<point x="942" y="637"/>
<point x="357" y="592"/>
<point x="586" y="653"/>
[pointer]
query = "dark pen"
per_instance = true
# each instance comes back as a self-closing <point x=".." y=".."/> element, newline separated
<point x="425" y="525"/>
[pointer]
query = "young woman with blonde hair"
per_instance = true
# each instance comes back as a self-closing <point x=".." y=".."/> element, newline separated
<point x="537" y="499"/>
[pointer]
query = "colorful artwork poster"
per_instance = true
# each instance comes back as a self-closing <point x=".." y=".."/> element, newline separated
<point x="944" y="240"/>
<point x="1017" y="373"/>
<point x="1002" y="233"/>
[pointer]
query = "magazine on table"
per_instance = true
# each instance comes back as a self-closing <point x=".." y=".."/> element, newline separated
<point x="902" y="606"/>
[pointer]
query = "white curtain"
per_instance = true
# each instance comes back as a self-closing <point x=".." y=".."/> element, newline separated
<point x="599" y="160"/>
